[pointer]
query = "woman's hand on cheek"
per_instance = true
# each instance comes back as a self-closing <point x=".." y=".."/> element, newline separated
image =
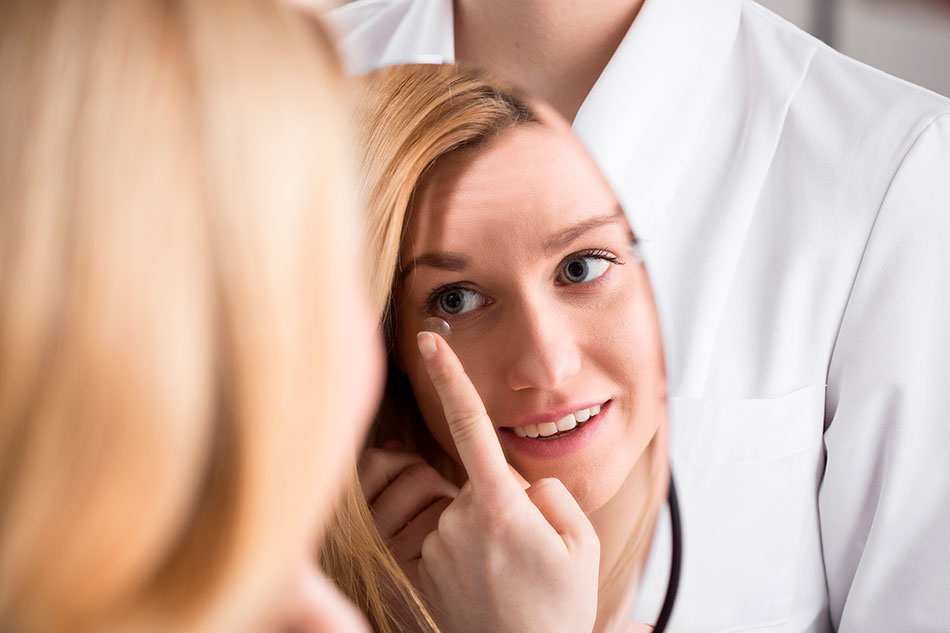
<point x="504" y="557"/>
<point x="406" y="496"/>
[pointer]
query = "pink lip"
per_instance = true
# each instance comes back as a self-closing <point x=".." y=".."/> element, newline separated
<point x="553" y="449"/>
<point x="551" y="416"/>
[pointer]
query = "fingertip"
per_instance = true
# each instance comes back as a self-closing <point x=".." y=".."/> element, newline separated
<point x="426" y="343"/>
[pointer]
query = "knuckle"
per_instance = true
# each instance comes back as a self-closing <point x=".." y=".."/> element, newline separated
<point x="449" y="520"/>
<point x="430" y="546"/>
<point x="465" y="424"/>
<point x="374" y="460"/>
<point x="496" y="516"/>
<point x="370" y="460"/>
<point x="587" y="540"/>
<point x="424" y="475"/>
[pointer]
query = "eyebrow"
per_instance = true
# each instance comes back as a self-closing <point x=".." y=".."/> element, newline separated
<point x="565" y="236"/>
<point x="455" y="262"/>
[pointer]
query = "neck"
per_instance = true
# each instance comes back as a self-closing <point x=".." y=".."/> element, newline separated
<point x="554" y="49"/>
<point x="644" y="487"/>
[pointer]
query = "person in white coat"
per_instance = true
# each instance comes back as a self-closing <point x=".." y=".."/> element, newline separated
<point x="793" y="206"/>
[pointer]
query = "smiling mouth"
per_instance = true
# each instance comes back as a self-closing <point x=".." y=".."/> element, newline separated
<point x="567" y="425"/>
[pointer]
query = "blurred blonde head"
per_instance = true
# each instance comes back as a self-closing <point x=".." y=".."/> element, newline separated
<point x="175" y="259"/>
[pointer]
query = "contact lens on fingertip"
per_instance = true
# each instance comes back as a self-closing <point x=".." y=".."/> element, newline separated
<point x="438" y="326"/>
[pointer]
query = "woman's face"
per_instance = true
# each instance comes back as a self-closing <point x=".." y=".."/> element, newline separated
<point x="522" y="248"/>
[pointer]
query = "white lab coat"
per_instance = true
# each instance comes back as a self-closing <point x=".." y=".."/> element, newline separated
<point x="794" y="207"/>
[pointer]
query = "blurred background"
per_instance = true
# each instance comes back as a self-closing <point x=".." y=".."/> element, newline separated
<point x="906" y="38"/>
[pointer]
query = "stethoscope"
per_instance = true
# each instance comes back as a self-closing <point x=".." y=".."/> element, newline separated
<point x="676" y="559"/>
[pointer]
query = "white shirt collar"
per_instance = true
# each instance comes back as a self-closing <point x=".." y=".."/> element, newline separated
<point x="643" y="117"/>
<point x="400" y="32"/>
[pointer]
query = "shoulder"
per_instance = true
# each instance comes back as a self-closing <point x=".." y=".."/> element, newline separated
<point x="835" y="85"/>
<point x="842" y="117"/>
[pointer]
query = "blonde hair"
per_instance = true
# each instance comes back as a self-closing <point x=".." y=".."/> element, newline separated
<point x="409" y="117"/>
<point x="169" y="197"/>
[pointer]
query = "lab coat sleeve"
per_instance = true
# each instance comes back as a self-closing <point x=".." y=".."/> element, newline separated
<point x="884" y="500"/>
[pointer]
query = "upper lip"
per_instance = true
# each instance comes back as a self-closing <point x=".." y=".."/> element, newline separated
<point x="552" y="415"/>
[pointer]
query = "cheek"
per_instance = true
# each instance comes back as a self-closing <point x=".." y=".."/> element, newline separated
<point x="632" y="338"/>
<point x="431" y="407"/>
<point x="628" y="349"/>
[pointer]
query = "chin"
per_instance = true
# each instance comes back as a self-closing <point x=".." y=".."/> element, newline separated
<point x="591" y="485"/>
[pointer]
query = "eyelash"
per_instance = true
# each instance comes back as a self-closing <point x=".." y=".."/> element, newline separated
<point x="432" y="299"/>
<point x="595" y="254"/>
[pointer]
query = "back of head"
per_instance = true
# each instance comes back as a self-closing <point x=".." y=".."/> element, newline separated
<point x="167" y="213"/>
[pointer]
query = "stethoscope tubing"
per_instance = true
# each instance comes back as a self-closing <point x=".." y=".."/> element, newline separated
<point x="676" y="560"/>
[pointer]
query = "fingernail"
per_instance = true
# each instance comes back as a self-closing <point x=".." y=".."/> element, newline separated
<point x="426" y="342"/>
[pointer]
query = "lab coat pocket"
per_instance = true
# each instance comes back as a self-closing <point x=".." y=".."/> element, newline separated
<point x="747" y="474"/>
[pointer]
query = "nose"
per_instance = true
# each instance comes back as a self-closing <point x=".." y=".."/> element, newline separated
<point x="541" y="348"/>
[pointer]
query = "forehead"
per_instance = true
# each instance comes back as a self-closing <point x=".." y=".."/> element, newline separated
<point x="532" y="180"/>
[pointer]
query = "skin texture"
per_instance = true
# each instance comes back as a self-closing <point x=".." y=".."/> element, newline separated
<point x="554" y="49"/>
<point x="519" y="544"/>
<point x="537" y="344"/>
<point x="531" y="343"/>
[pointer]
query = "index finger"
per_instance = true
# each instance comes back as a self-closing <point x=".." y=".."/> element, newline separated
<point x="472" y="430"/>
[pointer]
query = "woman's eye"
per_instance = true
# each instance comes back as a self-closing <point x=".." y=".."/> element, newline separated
<point x="577" y="270"/>
<point x="458" y="300"/>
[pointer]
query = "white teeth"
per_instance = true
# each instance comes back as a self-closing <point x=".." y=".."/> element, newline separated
<point x="567" y="423"/>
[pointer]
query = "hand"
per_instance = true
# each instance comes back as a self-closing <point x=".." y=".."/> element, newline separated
<point x="505" y="557"/>
<point x="406" y="496"/>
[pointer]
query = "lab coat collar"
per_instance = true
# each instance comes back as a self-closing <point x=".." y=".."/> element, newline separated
<point x="642" y="119"/>
<point x="395" y="32"/>
<point x="425" y="36"/>
<point x="644" y="115"/>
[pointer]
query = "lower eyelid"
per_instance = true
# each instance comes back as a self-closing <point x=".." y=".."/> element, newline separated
<point x="585" y="284"/>
<point x="454" y="319"/>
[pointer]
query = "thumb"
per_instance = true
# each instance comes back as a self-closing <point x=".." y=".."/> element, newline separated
<point x="562" y="512"/>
